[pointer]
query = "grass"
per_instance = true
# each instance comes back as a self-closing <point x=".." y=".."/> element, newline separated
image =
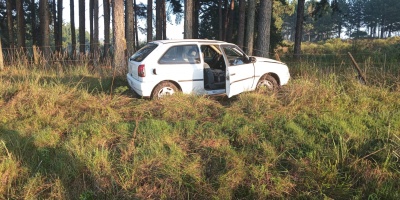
<point x="325" y="135"/>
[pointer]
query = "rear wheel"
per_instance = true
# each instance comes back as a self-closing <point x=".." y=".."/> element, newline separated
<point x="267" y="83"/>
<point x="163" y="89"/>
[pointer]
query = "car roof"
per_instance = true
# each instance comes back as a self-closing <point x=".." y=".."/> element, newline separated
<point x="199" y="41"/>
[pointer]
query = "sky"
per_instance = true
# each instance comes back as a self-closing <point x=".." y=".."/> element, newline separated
<point x="173" y="31"/>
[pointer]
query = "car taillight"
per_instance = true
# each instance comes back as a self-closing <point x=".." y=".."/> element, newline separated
<point x="141" y="71"/>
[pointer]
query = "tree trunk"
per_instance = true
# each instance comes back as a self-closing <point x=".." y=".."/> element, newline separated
<point x="242" y="18"/>
<point x="91" y="25"/>
<point x="106" y="8"/>
<point x="60" y="23"/>
<point x="130" y="34"/>
<point x="96" y="31"/>
<point x="82" y="27"/>
<point x="21" y="25"/>
<point x="73" y="34"/>
<point x="196" y="19"/>
<point x="33" y="22"/>
<point x="55" y="24"/>
<point x="119" y="61"/>
<point x="149" y="20"/>
<point x="44" y="28"/>
<point x="10" y="25"/>
<point x="158" y="20"/>
<point x="1" y="58"/>
<point x="220" y="25"/>
<point x="229" y="23"/>
<point x="136" y="27"/>
<point x="264" y="28"/>
<point x="383" y="24"/>
<point x="164" y="20"/>
<point x="299" y="28"/>
<point x="250" y="27"/>
<point x="188" y="25"/>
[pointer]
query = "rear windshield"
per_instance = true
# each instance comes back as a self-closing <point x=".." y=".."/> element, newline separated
<point x="140" y="55"/>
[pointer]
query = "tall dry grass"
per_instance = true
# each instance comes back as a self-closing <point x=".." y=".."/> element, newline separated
<point x="324" y="135"/>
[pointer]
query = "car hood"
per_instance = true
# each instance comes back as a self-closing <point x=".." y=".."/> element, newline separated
<point x="268" y="60"/>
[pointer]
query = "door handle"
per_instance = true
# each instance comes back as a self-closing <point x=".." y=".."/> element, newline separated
<point x="233" y="74"/>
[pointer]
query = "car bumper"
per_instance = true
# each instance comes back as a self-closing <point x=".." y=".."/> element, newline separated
<point x="141" y="89"/>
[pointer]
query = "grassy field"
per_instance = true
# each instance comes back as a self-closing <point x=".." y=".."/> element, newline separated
<point x="71" y="133"/>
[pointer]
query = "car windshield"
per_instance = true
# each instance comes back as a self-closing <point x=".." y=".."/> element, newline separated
<point x="235" y="55"/>
<point x="140" y="55"/>
<point x="233" y="51"/>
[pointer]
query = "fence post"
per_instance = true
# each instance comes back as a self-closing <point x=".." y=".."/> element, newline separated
<point x="35" y="55"/>
<point x="1" y="58"/>
<point x="360" y="74"/>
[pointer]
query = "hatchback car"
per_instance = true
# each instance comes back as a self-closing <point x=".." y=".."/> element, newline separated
<point x="200" y="66"/>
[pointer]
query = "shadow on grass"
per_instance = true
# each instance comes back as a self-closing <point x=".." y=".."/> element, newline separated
<point x="91" y="84"/>
<point x="51" y="165"/>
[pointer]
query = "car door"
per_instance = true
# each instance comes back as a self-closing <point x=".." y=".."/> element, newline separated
<point x="239" y="72"/>
<point x="182" y="64"/>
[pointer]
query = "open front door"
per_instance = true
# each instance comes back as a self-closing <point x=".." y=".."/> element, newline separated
<point x="239" y="73"/>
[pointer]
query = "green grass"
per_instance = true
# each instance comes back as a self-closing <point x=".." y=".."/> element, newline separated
<point x="64" y="135"/>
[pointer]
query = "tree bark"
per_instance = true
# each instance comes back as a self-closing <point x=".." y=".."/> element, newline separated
<point x="164" y="20"/>
<point x="242" y="18"/>
<point x="55" y="24"/>
<point x="188" y="23"/>
<point x="158" y="20"/>
<point x="44" y="28"/>
<point x="264" y="28"/>
<point x="21" y="25"/>
<point x="82" y="27"/>
<point x="60" y="23"/>
<point x="136" y="27"/>
<point x="1" y="58"/>
<point x="33" y="22"/>
<point x="130" y="31"/>
<point x="230" y="16"/>
<point x="106" y="8"/>
<point x="119" y="61"/>
<point x="196" y="19"/>
<point x="149" y="20"/>
<point x="73" y="34"/>
<point x="91" y="26"/>
<point x="10" y="25"/>
<point x="250" y="27"/>
<point x="96" y="30"/>
<point x="220" y="25"/>
<point x="299" y="28"/>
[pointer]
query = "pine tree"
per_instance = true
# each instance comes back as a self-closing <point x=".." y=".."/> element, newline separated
<point x="250" y="27"/>
<point x="188" y="23"/>
<point x="82" y="27"/>
<point x="119" y="61"/>
<point x="264" y="28"/>
<point x="299" y="28"/>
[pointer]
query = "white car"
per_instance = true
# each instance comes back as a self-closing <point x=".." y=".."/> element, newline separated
<point x="200" y="66"/>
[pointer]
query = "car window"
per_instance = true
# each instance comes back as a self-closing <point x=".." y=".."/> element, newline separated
<point x="209" y="52"/>
<point x="140" y="55"/>
<point x="234" y="55"/>
<point x="183" y="54"/>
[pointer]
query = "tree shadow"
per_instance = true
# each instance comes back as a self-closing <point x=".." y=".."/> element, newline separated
<point x="52" y="164"/>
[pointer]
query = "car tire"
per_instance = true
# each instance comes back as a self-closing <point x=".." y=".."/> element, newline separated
<point x="268" y="84"/>
<point x="163" y="89"/>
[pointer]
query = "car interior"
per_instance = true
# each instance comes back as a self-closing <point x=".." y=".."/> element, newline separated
<point x="214" y="67"/>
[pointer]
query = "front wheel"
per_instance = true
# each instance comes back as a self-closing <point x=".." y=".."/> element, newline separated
<point x="163" y="89"/>
<point x="267" y="83"/>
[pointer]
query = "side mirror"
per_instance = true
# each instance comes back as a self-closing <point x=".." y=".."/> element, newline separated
<point x="252" y="59"/>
